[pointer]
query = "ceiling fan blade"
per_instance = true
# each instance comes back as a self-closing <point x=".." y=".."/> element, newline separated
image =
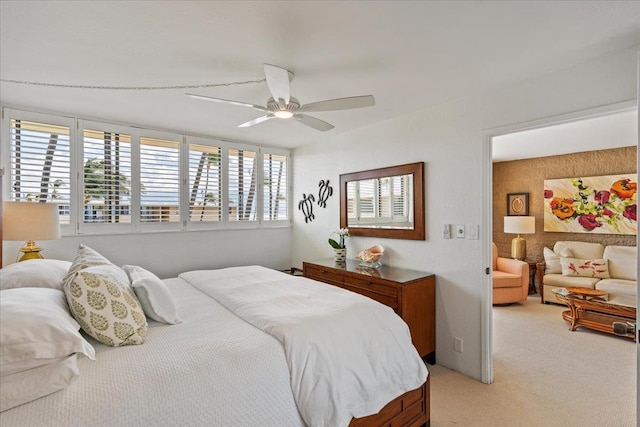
<point x="313" y="122"/>
<point x="278" y="82"/>
<point x="256" y="121"/>
<point x="226" y="101"/>
<point x="340" y="103"/>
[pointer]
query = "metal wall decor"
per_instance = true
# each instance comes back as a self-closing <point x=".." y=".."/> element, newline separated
<point x="306" y="206"/>
<point x="324" y="193"/>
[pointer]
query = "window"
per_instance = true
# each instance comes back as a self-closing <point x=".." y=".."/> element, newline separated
<point x="205" y="183"/>
<point x="275" y="187"/>
<point x="243" y="175"/>
<point x="114" y="178"/>
<point x="39" y="163"/>
<point x="379" y="200"/>
<point x="159" y="180"/>
<point x="106" y="184"/>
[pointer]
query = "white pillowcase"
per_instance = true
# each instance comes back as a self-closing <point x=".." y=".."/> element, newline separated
<point x="154" y="296"/>
<point x="552" y="260"/>
<point x="39" y="342"/>
<point x="25" y="386"/>
<point x="35" y="273"/>
<point x="36" y="324"/>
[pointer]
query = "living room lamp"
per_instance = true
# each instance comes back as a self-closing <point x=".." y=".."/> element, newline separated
<point x="519" y="225"/>
<point x="30" y="221"/>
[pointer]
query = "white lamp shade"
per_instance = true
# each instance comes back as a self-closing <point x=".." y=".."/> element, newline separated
<point x="23" y="221"/>
<point x="520" y="224"/>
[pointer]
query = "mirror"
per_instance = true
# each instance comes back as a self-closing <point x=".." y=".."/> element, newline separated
<point x="386" y="202"/>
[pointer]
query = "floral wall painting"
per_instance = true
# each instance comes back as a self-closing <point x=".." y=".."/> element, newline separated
<point x="517" y="204"/>
<point x="597" y="204"/>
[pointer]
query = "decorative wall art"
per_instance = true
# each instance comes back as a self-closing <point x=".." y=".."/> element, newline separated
<point x="306" y="206"/>
<point x="517" y="204"/>
<point x="598" y="204"/>
<point x="324" y="193"/>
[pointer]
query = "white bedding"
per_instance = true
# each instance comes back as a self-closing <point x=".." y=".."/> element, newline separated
<point x="213" y="369"/>
<point x="336" y="374"/>
<point x="210" y="370"/>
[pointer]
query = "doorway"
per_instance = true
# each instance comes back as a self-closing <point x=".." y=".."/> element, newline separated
<point x="511" y="134"/>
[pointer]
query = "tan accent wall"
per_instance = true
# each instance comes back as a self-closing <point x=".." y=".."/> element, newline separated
<point x="527" y="176"/>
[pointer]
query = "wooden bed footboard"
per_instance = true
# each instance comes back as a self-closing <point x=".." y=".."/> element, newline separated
<point x="412" y="409"/>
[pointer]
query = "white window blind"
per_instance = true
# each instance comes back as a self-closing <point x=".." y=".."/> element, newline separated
<point x="40" y="164"/>
<point x="106" y="189"/>
<point x="275" y="187"/>
<point x="242" y="185"/>
<point x="159" y="180"/>
<point x="379" y="200"/>
<point x="205" y="183"/>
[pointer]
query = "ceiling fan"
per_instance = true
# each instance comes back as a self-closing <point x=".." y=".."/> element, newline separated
<point x="283" y="106"/>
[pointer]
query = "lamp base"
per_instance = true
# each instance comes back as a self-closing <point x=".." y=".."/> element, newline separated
<point x="31" y="251"/>
<point x="518" y="248"/>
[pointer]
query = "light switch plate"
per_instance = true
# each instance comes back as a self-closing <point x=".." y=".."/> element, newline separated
<point x="460" y="232"/>
<point x="473" y="232"/>
<point x="446" y="231"/>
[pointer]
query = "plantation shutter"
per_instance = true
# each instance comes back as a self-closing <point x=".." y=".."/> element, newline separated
<point x="242" y="185"/>
<point x="275" y="187"/>
<point x="205" y="183"/>
<point x="106" y="190"/>
<point x="40" y="166"/>
<point x="159" y="180"/>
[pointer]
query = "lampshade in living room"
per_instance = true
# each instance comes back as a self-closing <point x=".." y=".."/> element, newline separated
<point x="519" y="225"/>
<point x="30" y="221"/>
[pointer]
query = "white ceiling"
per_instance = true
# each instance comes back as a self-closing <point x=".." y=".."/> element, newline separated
<point x="409" y="55"/>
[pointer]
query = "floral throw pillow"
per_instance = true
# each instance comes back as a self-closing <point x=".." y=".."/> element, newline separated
<point x="85" y="258"/>
<point x="104" y="304"/>
<point x="594" y="268"/>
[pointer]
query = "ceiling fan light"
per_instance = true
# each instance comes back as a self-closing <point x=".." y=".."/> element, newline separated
<point x="283" y="114"/>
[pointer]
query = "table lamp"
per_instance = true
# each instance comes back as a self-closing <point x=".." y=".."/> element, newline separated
<point x="519" y="225"/>
<point x="29" y="221"/>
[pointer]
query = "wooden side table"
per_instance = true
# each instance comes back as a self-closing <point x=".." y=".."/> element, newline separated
<point x="532" y="276"/>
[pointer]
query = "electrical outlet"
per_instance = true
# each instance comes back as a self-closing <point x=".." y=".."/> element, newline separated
<point x="457" y="344"/>
<point x="460" y="232"/>
<point x="446" y="231"/>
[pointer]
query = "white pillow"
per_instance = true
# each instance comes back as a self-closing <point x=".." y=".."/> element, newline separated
<point x="35" y="273"/>
<point x="25" y="386"/>
<point x="594" y="268"/>
<point x="551" y="262"/>
<point x="156" y="299"/>
<point x="36" y="324"/>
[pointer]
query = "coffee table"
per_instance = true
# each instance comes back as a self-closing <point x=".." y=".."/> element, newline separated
<point x="589" y="309"/>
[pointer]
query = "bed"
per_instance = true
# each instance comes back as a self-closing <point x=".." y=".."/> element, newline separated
<point x="228" y="361"/>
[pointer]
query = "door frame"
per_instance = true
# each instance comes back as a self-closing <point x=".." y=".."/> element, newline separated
<point x="487" y="211"/>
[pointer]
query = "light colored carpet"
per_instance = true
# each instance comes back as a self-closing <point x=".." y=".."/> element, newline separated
<point x="544" y="375"/>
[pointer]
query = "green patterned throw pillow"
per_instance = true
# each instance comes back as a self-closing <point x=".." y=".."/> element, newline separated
<point x="104" y="304"/>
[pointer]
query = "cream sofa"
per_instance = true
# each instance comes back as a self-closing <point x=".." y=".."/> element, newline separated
<point x="617" y="276"/>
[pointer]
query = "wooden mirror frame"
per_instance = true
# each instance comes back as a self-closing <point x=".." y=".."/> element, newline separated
<point x="418" y="231"/>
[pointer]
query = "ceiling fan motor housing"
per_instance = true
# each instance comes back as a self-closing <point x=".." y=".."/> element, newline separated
<point x="292" y="106"/>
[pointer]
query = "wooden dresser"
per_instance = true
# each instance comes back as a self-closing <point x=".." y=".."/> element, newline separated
<point x="410" y="293"/>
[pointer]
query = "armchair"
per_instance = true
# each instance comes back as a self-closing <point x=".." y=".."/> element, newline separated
<point x="510" y="279"/>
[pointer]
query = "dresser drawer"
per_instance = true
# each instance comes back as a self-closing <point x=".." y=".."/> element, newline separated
<point x="327" y="276"/>
<point x="372" y="285"/>
<point x="387" y="300"/>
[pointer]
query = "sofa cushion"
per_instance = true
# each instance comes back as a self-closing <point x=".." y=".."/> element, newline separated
<point x="560" y="281"/>
<point x="581" y="250"/>
<point x="622" y="261"/>
<point x="596" y="268"/>
<point x="618" y="287"/>
<point x="506" y="280"/>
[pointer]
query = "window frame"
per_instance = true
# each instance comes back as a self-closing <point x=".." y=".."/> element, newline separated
<point x="77" y="126"/>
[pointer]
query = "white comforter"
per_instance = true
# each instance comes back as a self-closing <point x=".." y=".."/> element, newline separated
<point x="348" y="355"/>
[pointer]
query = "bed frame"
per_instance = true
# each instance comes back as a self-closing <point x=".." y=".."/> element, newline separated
<point x="409" y="410"/>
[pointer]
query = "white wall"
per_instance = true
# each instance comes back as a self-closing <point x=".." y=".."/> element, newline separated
<point x="449" y="139"/>
<point x="168" y="254"/>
